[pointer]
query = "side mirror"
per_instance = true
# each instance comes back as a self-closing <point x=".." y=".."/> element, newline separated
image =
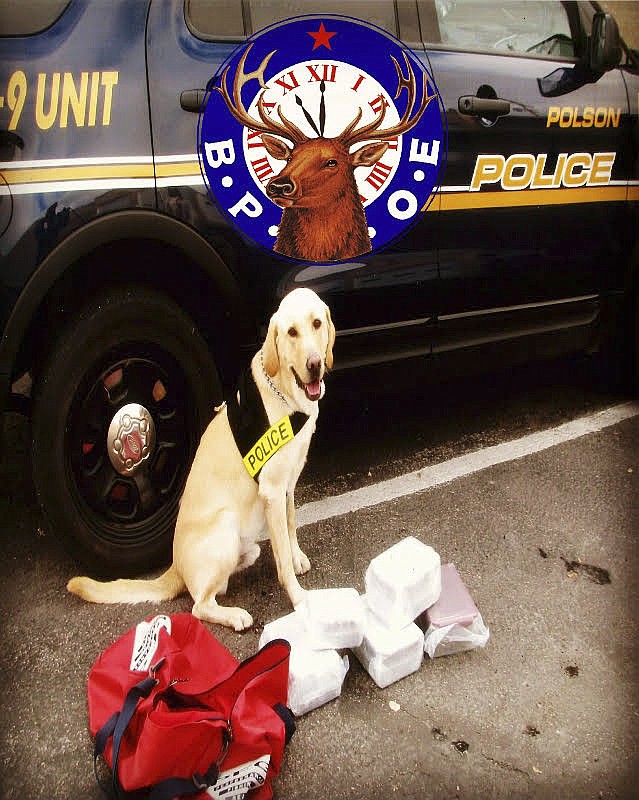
<point x="605" y="44"/>
<point x="604" y="53"/>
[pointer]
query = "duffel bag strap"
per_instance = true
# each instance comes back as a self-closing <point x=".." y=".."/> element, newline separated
<point x="286" y="715"/>
<point x="117" y="724"/>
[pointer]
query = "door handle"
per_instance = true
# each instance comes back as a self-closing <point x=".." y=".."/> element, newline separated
<point x="483" y="106"/>
<point x="193" y="100"/>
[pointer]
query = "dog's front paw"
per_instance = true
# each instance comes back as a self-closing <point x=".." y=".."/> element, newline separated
<point x="301" y="564"/>
<point x="235" y="618"/>
<point x="238" y="619"/>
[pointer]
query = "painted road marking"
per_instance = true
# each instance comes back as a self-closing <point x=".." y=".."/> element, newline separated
<point x="438" y="474"/>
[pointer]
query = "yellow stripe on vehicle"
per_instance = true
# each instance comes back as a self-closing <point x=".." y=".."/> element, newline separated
<point x="100" y="174"/>
<point x="178" y="169"/>
<point x="94" y="172"/>
<point x="86" y="174"/>
<point x="458" y="201"/>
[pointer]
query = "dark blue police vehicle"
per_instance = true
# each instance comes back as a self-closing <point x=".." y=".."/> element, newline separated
<point x="129" y="300"/>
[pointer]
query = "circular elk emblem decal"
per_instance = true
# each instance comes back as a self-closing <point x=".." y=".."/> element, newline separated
<point x="322" y="139"/>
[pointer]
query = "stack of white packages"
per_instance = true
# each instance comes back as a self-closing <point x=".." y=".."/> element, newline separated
<point x="326" y="620"/>
<point x="400" y="584"/>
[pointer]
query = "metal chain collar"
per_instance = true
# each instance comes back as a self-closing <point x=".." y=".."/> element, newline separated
<point x="270" y="383"/>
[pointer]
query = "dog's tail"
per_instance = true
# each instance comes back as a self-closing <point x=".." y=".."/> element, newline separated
<point x="165" y="587"/>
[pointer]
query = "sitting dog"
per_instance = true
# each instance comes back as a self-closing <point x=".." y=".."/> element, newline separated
<point x="234" y="499"/>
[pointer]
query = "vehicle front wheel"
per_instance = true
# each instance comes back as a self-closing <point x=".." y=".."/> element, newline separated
<point x="119" y="408"/>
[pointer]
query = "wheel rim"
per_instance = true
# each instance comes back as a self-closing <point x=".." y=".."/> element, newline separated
<point x="130" y="439"/>
<point x="131" y="435"/>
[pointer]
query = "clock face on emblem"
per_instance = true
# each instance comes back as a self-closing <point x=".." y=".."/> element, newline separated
<point x="322" y="139"/>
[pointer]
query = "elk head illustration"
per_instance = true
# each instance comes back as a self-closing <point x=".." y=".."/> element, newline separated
<point x="323" y="217"/>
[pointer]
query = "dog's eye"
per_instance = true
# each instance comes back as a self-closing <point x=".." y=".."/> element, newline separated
<point x="331" y="163"/>
<point x="292" y="332"/>
<point x="317" y="323"/>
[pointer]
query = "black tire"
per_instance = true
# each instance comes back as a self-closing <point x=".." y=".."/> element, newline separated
<point x="129" y="345"/>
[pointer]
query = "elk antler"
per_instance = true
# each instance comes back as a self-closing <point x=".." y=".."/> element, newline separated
<point x="351" y="134"/>
<point x="268" y="125"/>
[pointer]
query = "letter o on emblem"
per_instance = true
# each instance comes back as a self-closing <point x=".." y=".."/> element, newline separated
<point x="402" y="204"/>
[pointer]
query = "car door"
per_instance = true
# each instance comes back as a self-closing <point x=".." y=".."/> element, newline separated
<point x="533" y="203"/>
<point x="383" y="303"/>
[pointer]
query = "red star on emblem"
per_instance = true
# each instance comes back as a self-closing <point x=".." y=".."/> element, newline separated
<point x="322" y="37"/>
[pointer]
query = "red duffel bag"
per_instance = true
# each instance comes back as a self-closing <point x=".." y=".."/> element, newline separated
<point x="174" y="714"/>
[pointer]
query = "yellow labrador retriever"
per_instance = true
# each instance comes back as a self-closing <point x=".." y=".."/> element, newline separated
<point x="224" y="512"/>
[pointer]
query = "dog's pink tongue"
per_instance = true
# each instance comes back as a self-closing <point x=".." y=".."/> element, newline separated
<point x="313" y="389"/>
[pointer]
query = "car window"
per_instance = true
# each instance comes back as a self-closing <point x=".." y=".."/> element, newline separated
<point x="533" y="28"/>
<point x="213" y="19"/>
<point x="378" y="12"/>
<point x="26" y="17"/>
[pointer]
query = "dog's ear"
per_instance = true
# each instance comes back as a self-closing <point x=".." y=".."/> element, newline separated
<point x="271" y="355"/>
<point x="331" y="338"/>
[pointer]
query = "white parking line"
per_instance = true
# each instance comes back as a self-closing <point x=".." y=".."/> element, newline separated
<point x="461" y="466"/>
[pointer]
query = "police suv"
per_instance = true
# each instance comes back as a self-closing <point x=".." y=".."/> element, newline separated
<point x="130" y="299"/>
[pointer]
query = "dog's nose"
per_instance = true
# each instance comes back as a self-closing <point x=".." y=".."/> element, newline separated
<point x="314" y="365"/>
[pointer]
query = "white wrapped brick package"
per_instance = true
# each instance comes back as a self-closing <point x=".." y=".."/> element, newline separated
<point x="389" y="654"/>
<point x="334" y="618"/>
<point x="403" y="581"/>
<point x="315" y="677"/>
<point x="292" y="627"/>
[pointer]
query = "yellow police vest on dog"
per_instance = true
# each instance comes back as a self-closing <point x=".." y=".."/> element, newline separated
<point x="256" y="439"/>
<point x="267" y="445"/>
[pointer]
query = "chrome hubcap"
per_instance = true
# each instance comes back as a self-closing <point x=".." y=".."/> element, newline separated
<point x="130" y="438"/>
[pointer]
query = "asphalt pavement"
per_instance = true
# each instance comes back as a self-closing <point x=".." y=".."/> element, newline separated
<point x="546" y="543"/>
